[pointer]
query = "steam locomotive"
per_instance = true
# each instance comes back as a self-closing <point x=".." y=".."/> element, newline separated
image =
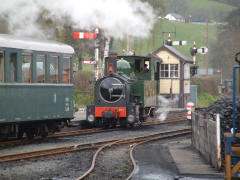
<point x="127" y="93"/>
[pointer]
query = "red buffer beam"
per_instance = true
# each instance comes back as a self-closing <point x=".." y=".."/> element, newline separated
<point x="84" y="35"/>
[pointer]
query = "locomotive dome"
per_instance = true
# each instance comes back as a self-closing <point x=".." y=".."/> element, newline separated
<point x="111" y="89"/>
<point x="123" y="68"/>
<point x="123" y="64"/>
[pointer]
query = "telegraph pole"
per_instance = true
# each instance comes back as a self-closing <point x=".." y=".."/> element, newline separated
<point x="97" y="54"/>
<point x="206" y="45"/>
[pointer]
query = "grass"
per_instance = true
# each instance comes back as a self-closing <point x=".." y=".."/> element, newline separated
<point x="184" y="31"/>
<point x="205" y="99"/>
<point x="213" y="5"/>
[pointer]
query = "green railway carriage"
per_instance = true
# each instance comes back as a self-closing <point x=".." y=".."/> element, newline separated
<point x="36" y="86"/>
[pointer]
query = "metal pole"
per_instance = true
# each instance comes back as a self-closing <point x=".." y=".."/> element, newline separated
<point x="206" y="45"/>
<point x="97" y="61"/>
<point x="97" y="54"/>
<point x="234" y="100"/>
<point x="218" y="136"/>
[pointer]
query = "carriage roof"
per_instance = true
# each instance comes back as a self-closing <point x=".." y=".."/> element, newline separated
<point x="10" y="41"/>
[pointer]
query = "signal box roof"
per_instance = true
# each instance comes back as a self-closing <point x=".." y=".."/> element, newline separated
<point x="10" y="41"/>
<point x="173" y="51"/>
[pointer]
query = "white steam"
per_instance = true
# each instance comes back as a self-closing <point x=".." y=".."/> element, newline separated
<point x="164" y="106"/>
<point x="116" y="17"/>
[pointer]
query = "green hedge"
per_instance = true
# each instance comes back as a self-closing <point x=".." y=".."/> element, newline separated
<point x="82" y="99"/>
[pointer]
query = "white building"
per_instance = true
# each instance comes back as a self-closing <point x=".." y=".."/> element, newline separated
<point x="174" y="17"/>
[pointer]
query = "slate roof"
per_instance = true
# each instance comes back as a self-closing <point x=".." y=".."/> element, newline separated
<point x="177" y="16"/>
<point x="174" y="52"/>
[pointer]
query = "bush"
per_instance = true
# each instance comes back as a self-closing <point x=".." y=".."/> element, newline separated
<point x="82" y="99"/>
<point x="83" y="89"/>
<point x="205" y="99"/>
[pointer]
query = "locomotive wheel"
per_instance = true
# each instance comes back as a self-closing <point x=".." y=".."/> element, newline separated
<point x="123" y="123"/>
<point x="30" y="134"/>
<point x="43" y="130"/>
<point x="114" y="125"/>
<point x="106" y="126"/>
<point x="130" y="125"/>
<point x="152" y="112"/>
<point x="20" y="133"/>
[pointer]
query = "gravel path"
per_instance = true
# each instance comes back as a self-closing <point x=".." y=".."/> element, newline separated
<point x="63" y="167"/>
<point x="112" y="163"/>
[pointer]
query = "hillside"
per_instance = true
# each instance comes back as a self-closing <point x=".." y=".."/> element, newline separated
<point x="189" y="32"/>
<point x="199" y="10"/>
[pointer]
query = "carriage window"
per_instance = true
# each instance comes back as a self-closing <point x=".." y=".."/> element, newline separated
<point x="41" y="59"/>
<point x="13" y="66"/>
<point x="27" y="68"/>
<point x="1" y="67"/>
<point x="54" y="69"/>
<point x="169" y="71"/>
<point x="66" y="70"/>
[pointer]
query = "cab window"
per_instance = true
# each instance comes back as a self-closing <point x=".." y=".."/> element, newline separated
<point x="54" y="69"/>
<point x="26" y="68"/>
<point x="41" y="68"/>
<point x="66" y="69"/>
<point x="13" y="67"/>
<point x="142" y="66"/>
<point x="1" y="66"/>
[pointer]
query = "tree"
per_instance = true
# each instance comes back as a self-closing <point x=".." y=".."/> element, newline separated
<point x="227" y="44"/>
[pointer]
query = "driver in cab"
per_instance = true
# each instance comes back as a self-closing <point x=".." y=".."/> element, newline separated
<point x="146" y="68"/>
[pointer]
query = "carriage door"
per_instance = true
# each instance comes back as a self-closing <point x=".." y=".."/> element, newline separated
<point x="11" y="66"/>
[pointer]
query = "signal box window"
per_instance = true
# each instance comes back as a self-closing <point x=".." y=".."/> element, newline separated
<point x="1" y="67"/>
<point x="169" y="71"/>
<point x="27" y="68"/>
<point x="54" y="69"/>
<point x="66" y="70"/>
<point x="41" y="68"/>
<point x="13" y="67"/>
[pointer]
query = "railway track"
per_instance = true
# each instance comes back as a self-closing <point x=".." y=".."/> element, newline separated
<point x="87" y="131"/>
<point x="134" y="142"/>
<point x="75" y="148"/>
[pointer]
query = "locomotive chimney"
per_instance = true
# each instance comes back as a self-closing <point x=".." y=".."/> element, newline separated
<point x="111" y="63"/>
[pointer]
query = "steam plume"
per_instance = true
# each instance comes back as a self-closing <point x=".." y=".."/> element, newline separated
<point x="116" y="17"/>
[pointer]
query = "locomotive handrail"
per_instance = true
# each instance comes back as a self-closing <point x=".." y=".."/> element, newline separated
<point x="118" y="84"/>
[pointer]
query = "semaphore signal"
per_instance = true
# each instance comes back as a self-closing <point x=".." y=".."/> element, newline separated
<point x="194" y="50"/>
<point x="169" y="42"/>
<point x="84" y="35"/>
